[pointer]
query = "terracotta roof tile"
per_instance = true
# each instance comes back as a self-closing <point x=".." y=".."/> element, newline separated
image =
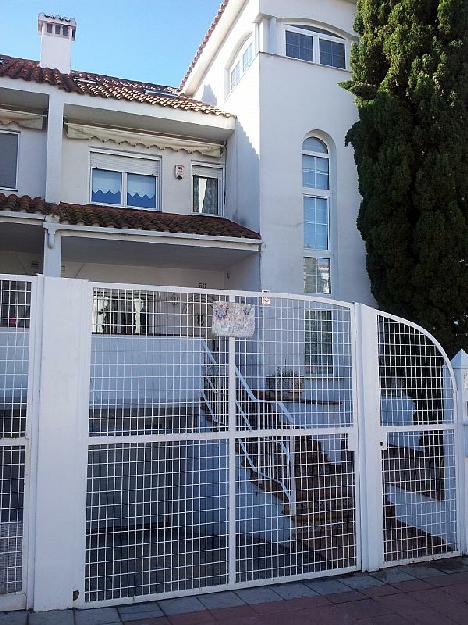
<point x="205" y="40"/>
<point x="102" y="86"/>
<point x="128" y="218"/>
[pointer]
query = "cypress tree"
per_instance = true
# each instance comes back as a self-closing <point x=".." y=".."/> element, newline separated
<point x="410" y="79"/>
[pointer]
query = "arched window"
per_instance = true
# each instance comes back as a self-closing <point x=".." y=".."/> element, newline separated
<point x="316" y="197"/>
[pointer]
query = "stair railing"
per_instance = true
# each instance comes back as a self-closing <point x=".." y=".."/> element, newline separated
<point x="287" y="480"/>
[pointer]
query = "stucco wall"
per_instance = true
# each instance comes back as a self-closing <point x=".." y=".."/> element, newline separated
<point x="277" y="103"/>
<point x="176" y="195"/>
<point x="163" y="276"/>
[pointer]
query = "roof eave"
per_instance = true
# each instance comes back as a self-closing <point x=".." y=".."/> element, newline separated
<point x="208" y="49"/>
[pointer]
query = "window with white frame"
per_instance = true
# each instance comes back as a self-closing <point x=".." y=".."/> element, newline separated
<point x="8" y="159"/>
<point x="316" y="45"/>
<point x="207" y="185"/>
<point x="316" y="205"/>
<point x="241" y="64"/>
<point x="125" y="181"/>
<point x="319" y="342"/>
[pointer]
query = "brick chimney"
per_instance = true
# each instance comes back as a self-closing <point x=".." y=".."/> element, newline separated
<point x="57" y="34"/>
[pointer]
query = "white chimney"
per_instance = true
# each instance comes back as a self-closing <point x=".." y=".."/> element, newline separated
<point x="57" y="34"/>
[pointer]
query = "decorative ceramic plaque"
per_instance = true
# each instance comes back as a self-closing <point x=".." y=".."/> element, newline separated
<point x="233" y="319"/>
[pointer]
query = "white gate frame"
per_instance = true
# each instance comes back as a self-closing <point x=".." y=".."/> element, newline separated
<point x="23" y="599"/>
<point x="373" y="437"/>
<point x="57" y="451"/>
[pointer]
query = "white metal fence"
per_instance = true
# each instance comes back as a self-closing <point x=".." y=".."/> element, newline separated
<point x="15" y="410"/>
<point x="173" y="460"/>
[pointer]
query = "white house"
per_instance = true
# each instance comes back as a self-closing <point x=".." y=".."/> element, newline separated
<point x="239" y="180"/>
<point x="177" y="417"/>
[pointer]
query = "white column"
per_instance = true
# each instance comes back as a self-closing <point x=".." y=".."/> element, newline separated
<point x="54" y="149"/>
<point x="52" y="260"/>
<point x="273" y="35"/>
<point x="460" y="368"/>
<point x="62" y="444"/>
<point x="370" y="439"/>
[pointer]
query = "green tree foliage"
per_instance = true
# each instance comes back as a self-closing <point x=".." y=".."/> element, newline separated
<point x="410" y="79"/>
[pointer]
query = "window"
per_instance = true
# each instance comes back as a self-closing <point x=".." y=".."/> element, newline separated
<point x="316" y="201"/>
<point x="319" y="342"/>
<point x="125" y="181"/>
<point x="241" y="64"/>
<point x="315" y="44"/>
<point x="8" y="159"/>
<point x="207" y="190"/>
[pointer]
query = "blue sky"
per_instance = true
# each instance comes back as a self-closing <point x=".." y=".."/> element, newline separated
<point x="149" y="40"/>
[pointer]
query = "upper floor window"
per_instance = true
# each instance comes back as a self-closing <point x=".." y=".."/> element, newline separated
<point x="125" y="181"/>
<point x="241" y="64"/>
<point x="8" y="159"/>
<point x="207" y="185"/>
<point x="310" y="43"/>
<point x="316" y="204"/>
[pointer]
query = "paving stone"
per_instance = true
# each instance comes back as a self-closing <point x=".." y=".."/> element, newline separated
<point x="293" y="590"/>
<point x="327" y="586"/>
<point x="220" y="600"/>
<point x="346" y="597"/>
<point x="358" y="582"/>
<point x="193" y="618"/>
<point x="97" y="616"/>
<point x="253" y="596"/>
<point x="56" y="617"/>
<point x="423" y="572"/>
<point x="232" y="615"/>
<point x="411" y="585"/>
<point x="162" y="620"/>
<point x="448" y="566"/>
<point x="380" y="591"/>
<point x="389" y="576"/>
<point x="138" y="611"/>
<point x="182" y="605"/>
<point x="13" y="618"/>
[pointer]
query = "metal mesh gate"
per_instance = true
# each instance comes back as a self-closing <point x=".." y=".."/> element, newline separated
<point x="215" y="461"/>
<point x="15" y="321"/>
<point x="417" y="419"/>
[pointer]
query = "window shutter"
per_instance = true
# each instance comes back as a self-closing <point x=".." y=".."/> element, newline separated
<point x="134" y="165"/>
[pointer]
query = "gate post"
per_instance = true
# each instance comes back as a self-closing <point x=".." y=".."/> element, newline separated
<point x="460" y="368"/>
<point x="370" y="459"/>
<point x="62" y="443"/>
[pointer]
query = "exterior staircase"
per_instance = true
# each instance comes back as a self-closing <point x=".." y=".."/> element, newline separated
<point x="317" y="494"/>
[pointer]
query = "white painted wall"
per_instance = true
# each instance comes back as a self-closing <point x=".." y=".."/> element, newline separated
<point x="159" y="276"/>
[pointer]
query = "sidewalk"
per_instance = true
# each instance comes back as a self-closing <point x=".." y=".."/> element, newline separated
<point x="435" y="593"/>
